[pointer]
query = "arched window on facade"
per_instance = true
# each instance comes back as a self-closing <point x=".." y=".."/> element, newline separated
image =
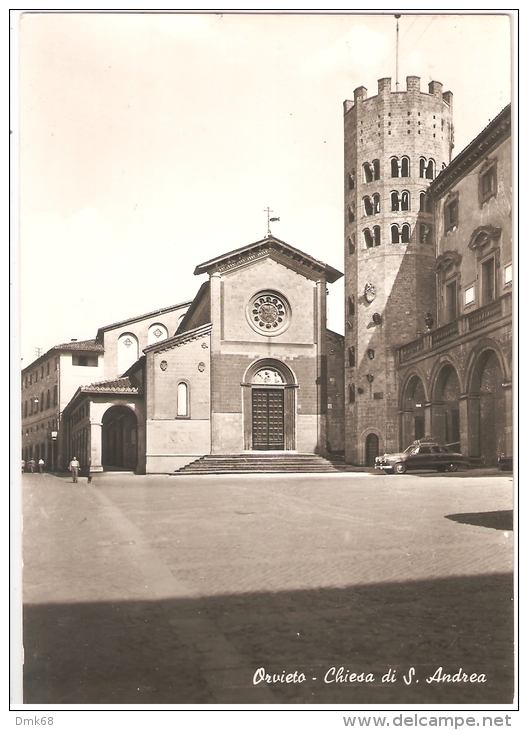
<point x="405" y="167"/>
<point x="377" y="235"/>
<point x="352" y="243"/>
<point x="405" y="233"/>
<point x="367" y="206"/>
<point x="127" y="351"/>
<point x="352" y="393"/>
<point x="395" y="201"/>
<point x="369" y="241"/>
<point x="351" y="214"/>
<point x="395" y="233"/>
<point x="426" y="233"/>
<point x="405" y="200"/>
<point x="351" y="305"/>
<point x="351" y="180"/>
<point x="377" y="203"/>
<point x="376" y="168"/>
<point x="182" y="408"/>
<point x="395" y="168"/>
<point x="48" y="399"/>
<point x="351" y="357"/>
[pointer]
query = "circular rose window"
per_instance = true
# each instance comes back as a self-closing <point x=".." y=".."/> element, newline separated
<point x="268" y="313"/>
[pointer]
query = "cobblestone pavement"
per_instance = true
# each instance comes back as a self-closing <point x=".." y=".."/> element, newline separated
<point x="177" y="590"/>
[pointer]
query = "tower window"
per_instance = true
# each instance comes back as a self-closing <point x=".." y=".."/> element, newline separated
<point x="351" y="357"/>
<point x="400" y="202"/>
<point x="351" y="214"/>
<point x="352" y="244"/>
<point x="377" y="204"/>
<point x="400" y="167"/>
<point x="405" y="200"/>
<point x="402" y="235"/>
<point x="368" y="207"/>
<point x="376" y="166"/>
<point x="369" y="241"/>
<point x="352" y="393"/>
<point x="427" y="168"/>
<point x="351" y="305"/>
<point x="351" y="181"/>
<point x="368" y="173"/>
<point x="426" y="202"/>
<point x="377" y="234"/>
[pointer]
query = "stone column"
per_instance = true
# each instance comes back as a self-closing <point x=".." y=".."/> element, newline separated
<point x="96" y="446"/>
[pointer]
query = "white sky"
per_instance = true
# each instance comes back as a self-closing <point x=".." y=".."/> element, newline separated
<point x="150" y="143"/>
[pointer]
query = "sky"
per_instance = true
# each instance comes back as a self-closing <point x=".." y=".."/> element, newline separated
<point x="150" y="143"/>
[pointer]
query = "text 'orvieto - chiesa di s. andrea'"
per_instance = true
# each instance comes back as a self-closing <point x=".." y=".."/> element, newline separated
<point x="248" y="368"/>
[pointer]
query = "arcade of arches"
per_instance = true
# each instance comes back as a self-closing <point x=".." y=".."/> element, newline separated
<point x="119" y="439"/>
<point x="474" y="422"/>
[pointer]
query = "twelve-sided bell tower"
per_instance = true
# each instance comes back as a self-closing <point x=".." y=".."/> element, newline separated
<point x="395" y="144"/>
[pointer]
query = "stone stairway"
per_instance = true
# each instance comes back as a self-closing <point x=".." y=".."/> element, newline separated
<point x="261" y="462"/>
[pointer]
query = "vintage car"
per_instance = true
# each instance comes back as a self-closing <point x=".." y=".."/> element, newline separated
<point x="422" y="454"/>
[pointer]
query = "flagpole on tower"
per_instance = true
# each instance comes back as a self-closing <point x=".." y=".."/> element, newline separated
<point x="397" y="49"/>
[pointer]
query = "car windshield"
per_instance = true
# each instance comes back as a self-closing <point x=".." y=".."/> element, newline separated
<point x="410" y="449"/>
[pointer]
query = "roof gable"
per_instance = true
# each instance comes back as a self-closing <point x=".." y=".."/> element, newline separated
<point x="273" y="248"/>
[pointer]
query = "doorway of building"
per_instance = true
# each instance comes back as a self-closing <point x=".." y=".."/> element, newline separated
<point x="268" y="419"/>
<point x="119" y="439"/>
<point x="371" y="448"/>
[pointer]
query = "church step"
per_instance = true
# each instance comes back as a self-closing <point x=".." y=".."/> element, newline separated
<point x="248" y="463"/>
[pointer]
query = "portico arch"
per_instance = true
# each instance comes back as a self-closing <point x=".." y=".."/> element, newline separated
<point x="445" y="407"/>
<point x="119" y="439"/>
<point x="269" y="406"/>
<point x="413" y="411"/>
<point x="489" y="414"/>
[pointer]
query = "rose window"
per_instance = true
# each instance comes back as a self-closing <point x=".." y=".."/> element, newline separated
<point x="268" y="312"/>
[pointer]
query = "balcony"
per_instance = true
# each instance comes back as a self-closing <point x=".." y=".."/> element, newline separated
<point x="467" y="323"/>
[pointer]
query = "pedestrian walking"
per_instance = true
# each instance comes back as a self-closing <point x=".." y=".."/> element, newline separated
<point x="31" y="464"/>
<point x="41" y="466"/>
<point x="23" y="466"/>
<point x="74" y="468"/>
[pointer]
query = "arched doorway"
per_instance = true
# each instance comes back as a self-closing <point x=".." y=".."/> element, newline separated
<point x="413" y="411"/>
<point x="269" y="407"/>
<point x="371" y="448"/>
<point x="119" y="439"/>
<point x="446" y="408"/>
<point x="487" y="416"/>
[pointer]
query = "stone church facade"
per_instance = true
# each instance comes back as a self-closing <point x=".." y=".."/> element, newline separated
<point x="247" y="370"/>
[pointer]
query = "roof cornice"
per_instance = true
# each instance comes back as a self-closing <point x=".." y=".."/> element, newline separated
<point x="275" y="248"/>
<point x="496" y="131"/>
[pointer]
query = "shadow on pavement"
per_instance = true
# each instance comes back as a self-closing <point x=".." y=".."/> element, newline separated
<point x="151" y="652"/>
<point x="498" y="520"/>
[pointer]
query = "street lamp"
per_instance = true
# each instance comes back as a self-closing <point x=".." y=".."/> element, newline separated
<point x="54" y="435"/>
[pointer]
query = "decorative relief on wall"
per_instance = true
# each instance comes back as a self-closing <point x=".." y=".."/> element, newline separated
<point x="267" y="376"/>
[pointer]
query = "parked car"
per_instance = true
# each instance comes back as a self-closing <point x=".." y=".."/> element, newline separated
<point x="422" y="454"/>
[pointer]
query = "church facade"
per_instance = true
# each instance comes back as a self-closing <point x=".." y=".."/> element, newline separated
<point x="247" y="370"/>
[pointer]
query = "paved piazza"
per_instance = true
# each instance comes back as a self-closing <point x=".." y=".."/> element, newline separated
<point x="189" y="590"/>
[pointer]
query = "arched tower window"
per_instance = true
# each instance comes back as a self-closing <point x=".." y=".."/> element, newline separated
<point x="377" y="203"/>
<point x="369" y="241"/>
<point x="426" y="203"/>
<point x="377" y="235"/>
<point x="351" y="305"/>
<point x="405" y="233"/>
<point x="376" y="168"/>
<point x="182" y="408"/>
<point x="405" y="167"/>
<point x="427" y="168"/>
<point x="395" y="168"/>
<point x="351" y="180"/>
<point x="368" y="173"/>
<point x="351" y="357"/>
<point x="367" y="205"/>
<point x="405" y="200"/>
<point x="352" y="243"/>
<point x="351" y="214"/>
<point x="395" y="201"/>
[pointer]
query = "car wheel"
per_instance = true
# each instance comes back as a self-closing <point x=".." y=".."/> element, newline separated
<point x="452" y="467"/>
<point x="400" y="468"/>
